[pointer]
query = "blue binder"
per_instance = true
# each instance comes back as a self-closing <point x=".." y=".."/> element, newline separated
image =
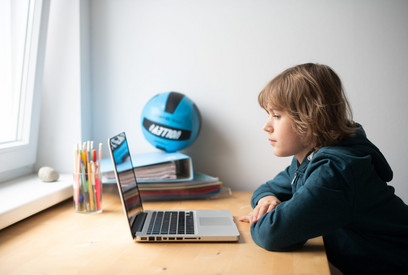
<point x="154" y="167"/>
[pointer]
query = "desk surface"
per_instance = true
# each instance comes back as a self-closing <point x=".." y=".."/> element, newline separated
<point x="58" y="240"/>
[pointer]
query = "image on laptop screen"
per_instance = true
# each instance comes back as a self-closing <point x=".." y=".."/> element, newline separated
<point x="126" y="176"/>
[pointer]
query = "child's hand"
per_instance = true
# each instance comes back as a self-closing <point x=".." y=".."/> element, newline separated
<point x="265" y="205"/>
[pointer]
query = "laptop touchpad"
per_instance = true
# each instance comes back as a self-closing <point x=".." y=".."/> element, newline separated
<point x="211" y="221"/>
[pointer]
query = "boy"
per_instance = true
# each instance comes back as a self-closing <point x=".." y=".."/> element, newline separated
<point x="336" y="185"/>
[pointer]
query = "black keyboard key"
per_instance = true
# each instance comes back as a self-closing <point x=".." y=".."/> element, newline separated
<point x="150" y="228"/>
<point x="181" y="223"/>
<point x="173" y="223"/>
<point x="190" y="223"/>
<point x="166" y="223"/>
<point x="158" y="223"/>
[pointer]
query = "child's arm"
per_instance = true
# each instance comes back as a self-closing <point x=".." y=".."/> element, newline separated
<point x="279" y="187"/>
<point x="324" y="203"/>
<point x="270" y="194"/>
<point x="265" y="205"/>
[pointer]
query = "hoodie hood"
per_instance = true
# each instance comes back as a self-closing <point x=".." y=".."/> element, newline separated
<point x="360" y="143"/>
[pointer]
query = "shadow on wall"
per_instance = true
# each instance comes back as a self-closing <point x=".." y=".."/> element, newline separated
<point x="212" y="152"/>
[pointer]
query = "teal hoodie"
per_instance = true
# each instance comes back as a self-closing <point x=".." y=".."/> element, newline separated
<point x="340" y="193"/>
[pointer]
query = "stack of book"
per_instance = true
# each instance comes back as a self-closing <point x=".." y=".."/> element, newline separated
<point x="165" y="176"/>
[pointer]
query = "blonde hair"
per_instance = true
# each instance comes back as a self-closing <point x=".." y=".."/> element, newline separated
<point x="313" y="97"/>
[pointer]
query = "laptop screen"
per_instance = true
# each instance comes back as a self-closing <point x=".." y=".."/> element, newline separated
<point x="126" y="176"/>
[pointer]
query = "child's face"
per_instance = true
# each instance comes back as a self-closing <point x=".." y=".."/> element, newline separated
<point x="282" y="136"/>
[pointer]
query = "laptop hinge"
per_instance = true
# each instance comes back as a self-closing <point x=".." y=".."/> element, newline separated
<point x="139" y="222"/>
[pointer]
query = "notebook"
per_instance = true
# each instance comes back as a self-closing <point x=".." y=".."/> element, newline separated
<point x="205" y="225"/>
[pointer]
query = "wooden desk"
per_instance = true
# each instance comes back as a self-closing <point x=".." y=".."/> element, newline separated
<point x="60" y="241"/>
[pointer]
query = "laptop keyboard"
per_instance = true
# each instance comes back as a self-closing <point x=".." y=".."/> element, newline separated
<point x="171" y="223"/>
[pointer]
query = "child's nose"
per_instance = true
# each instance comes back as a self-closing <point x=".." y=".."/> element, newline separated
<point x="268" y="127"/>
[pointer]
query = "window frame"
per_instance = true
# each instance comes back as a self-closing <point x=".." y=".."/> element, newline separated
<point x="18" y="158"/>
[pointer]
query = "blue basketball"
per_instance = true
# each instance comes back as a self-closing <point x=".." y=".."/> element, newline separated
<point x="171" y="121"/>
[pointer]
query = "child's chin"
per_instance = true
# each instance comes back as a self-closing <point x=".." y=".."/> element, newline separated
<point x="279" y="153"/>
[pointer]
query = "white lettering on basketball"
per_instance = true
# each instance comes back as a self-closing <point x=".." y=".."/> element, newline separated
<point x="164" y="132"/>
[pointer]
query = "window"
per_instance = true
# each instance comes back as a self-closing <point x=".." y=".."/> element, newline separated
<point x="23" y="25"/>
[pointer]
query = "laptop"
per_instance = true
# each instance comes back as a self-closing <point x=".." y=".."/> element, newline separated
<point x="215" y="225"/>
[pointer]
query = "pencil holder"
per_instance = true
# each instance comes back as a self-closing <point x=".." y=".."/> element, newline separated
<point x="87" y="193"/>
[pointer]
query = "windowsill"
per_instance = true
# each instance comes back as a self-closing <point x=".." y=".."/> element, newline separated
<point x="25" y="196"/>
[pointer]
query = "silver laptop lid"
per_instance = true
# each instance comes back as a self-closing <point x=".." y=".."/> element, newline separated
<point x="126" y="179"/>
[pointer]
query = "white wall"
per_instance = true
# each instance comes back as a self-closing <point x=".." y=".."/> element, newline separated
<point x="63" y="91"/>
<point x="222" y="53"/>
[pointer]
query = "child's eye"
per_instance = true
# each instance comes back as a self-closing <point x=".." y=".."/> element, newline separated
<point x="276" y="116"/>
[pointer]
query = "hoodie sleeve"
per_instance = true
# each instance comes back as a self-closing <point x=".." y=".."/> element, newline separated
<point x="323" y="201"/>
<point x="279" y="187"/>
